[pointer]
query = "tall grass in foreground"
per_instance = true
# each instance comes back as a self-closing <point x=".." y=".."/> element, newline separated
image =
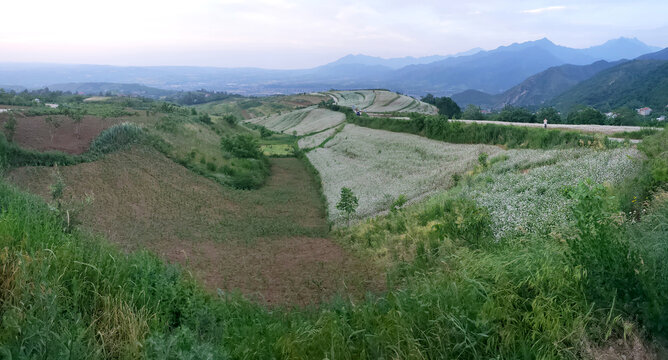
<point x="66" y="295"/>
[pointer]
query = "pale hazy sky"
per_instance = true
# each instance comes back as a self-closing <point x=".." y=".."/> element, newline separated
<point x="299" y="33"/>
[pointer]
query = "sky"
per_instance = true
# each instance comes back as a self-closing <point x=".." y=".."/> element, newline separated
<point x="290" y="34"/>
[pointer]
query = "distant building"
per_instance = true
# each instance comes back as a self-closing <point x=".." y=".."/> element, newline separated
<point x="661" y="118"/>
<point x="611" y="115"/>
<point x="36" y="100"/>
<point x="644" y="111"/>
<point x="485" y="111"/>
<point x="53" y="106"/>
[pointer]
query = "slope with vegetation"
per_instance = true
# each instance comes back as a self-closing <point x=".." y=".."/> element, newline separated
<point x="536" y="90"/>
<point x="634" y="84"/>
<point x="468" y="274"/>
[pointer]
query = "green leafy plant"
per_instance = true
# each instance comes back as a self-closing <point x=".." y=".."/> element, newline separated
<point x="461" y="219"/>
<point x="242" y="146"/>
<point x="398" y="203"/>
<point x="348" y="203"/>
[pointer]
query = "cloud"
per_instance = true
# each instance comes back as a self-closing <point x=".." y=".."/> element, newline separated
<point x="544" y="9"/>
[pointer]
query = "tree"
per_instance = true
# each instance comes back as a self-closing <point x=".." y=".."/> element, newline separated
<point x="473" y="112"/>
<point x="549" y="113"/>
<point x="76" y="116"/>
<point x="242" y="146"/>
<point x="53" y="125"/>
<point x="516" y="114"/>
<point x="445" y="105"/>
<point x="10" y="126"/>
<point x="588" y="115"/>
<point x="348" y="203"/>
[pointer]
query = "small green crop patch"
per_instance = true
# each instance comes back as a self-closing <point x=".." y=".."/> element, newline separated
<point x="278" y="150"/>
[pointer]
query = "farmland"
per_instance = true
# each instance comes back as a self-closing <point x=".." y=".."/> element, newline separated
<point x="380" y="101"/>
<point x="468" y="241"/>
<point x="301" y="122"/>
<point x="379" y="166"/>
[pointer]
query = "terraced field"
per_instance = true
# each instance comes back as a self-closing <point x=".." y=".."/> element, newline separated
<point x="380" y="101"/>
<point x="301" y="122"/>
<point x="360" y="98"/>
<point x="381" y="165"/>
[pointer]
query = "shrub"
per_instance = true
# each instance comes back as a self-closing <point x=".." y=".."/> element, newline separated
<point x="204" y="118"/>
<point x="265" y="133"/>
<point x="461" y="219"/>
<point x="242" y="146"/>
<point x="10" y="127"/>
<point x="230" y="119"/>
<point x="348" y="203"/>
<point x="398" y="203"/>
<point x="117" y="137"/>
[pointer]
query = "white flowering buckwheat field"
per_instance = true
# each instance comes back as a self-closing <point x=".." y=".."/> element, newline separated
<point x="380" y="165"/>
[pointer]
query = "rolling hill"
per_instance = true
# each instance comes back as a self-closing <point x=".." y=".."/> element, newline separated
<point x="535" y="90"/>
<point x="113" y="88"/>
<point x="634" y="84"/>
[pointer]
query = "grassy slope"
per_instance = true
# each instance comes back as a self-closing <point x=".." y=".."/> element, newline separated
<point x="144" y="200"/>
<point x="506" y="300"/>
<point x="516" y="298"/>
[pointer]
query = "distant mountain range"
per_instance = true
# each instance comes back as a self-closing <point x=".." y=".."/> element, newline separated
<point x="494" y="71"/>
<point x="535" y="90"/>
<point x="397" y="63"/>
<point x="605" y="85"/>
<point x="633" y="84"/>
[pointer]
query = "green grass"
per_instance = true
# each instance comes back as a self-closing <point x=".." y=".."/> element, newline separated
<point x="278" y="150"/>
<point x="439" y="128"/>
<point x="639" y="134"/>
<point x="93" y="302"/>
<point x="455" y="292"/>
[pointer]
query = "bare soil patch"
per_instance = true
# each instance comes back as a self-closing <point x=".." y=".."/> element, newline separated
<point x="69" y="137"/>
<point x="268" y="243"/>
<point x="297" y="270"/>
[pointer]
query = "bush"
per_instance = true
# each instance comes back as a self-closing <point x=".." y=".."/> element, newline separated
<point x="230" y="119"/>
<point x="461" y="219"/>
<point x="242" y="146"/>
<point x="117" y="137"/>
<point x="265" y="133"/>
<point x="204" y="118"/>
<point x="516" y="114"/>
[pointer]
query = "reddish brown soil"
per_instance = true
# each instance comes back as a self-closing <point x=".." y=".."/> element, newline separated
<point x="632" y="348"/>
<point x="230" y="240"/>
<point x="296" y="270"/>
<point x="69" y="137"/>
